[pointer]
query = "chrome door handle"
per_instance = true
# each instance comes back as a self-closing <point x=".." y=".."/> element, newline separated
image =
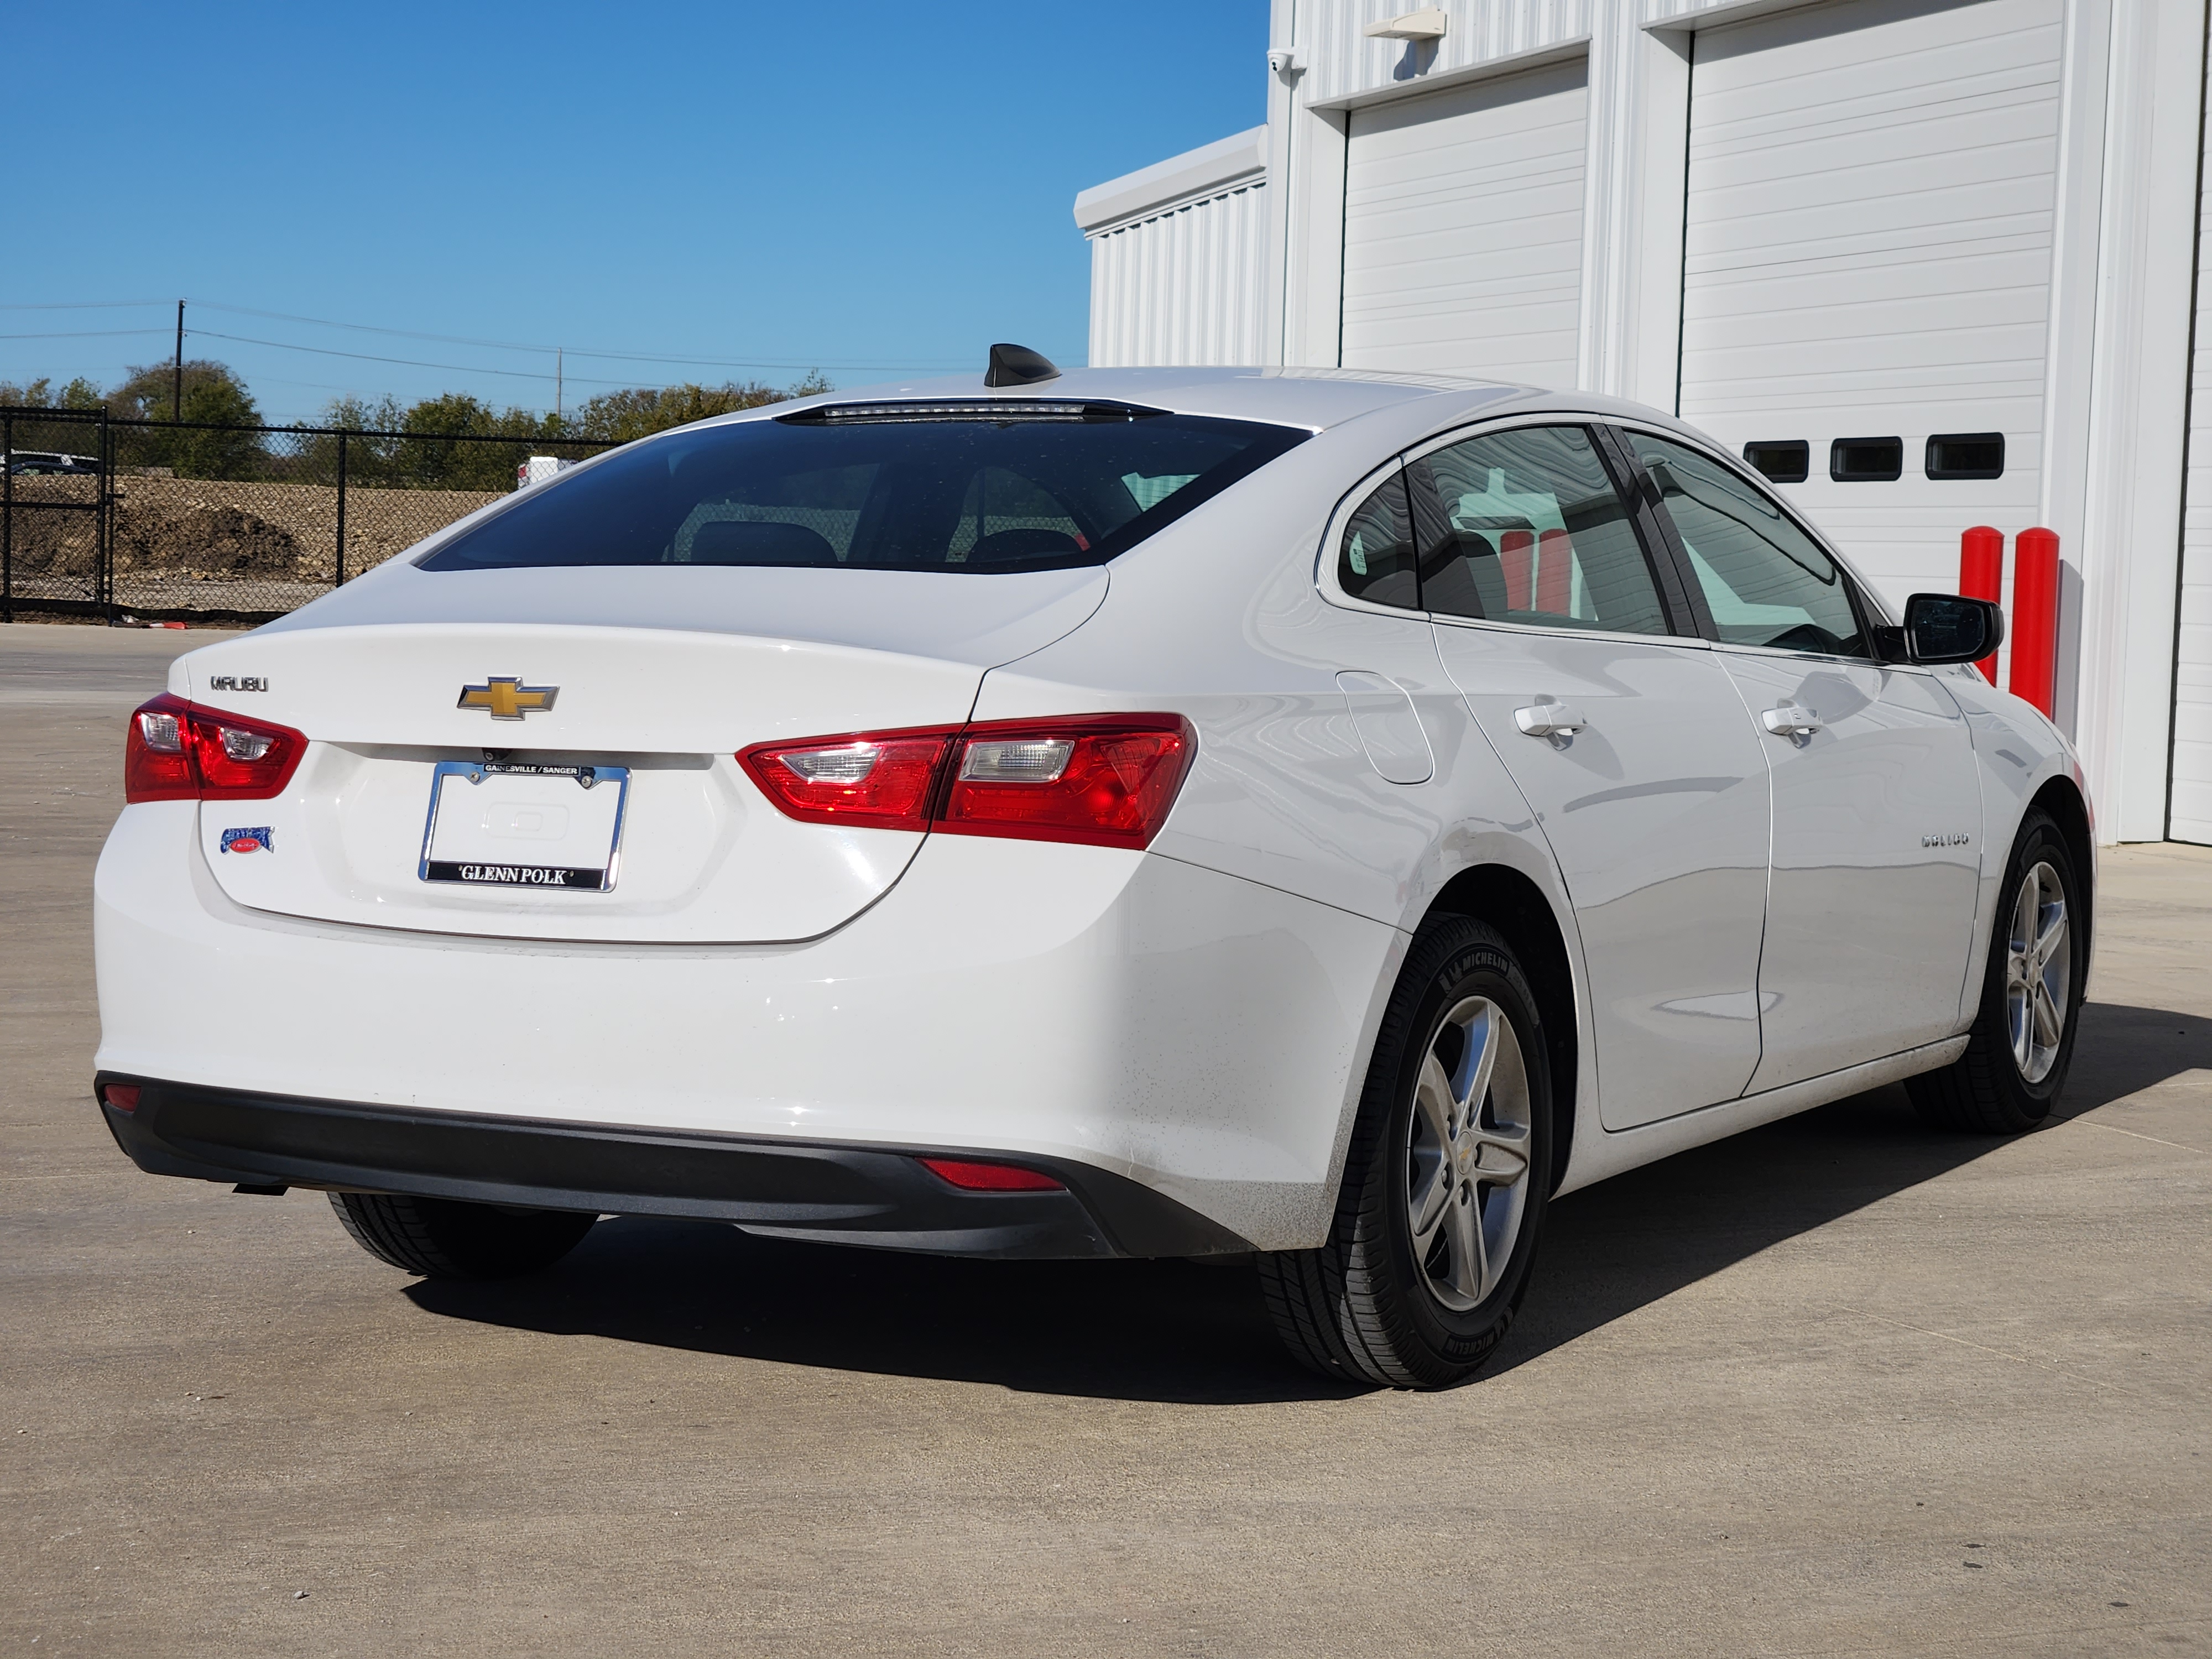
<point x="1790" y="721"/>
<point x="1548" y="718"/>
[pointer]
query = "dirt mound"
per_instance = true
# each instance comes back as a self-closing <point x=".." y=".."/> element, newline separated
<point x="201" y="538"/>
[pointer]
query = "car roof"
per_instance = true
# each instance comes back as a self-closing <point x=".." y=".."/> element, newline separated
<point x="1398" y="406"/>
<point x="1314" y="398"/>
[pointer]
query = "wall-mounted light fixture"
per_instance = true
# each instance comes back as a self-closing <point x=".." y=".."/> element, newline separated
<point x="1429" y="24"/>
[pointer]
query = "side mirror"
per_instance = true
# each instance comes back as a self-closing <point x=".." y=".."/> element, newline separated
<point x="1945" y="628"/>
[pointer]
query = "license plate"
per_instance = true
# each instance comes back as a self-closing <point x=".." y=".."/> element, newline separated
<point x="501" y="824"/>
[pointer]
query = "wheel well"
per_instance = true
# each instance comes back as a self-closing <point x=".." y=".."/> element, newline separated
<point x="2071" y="813"/>
<point x="1515" y="906"/>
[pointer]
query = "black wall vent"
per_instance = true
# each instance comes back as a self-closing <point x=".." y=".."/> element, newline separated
<point x="1866" y="460"/>
<point x="1966" y="455"/>
<point x="1785" y="460"/>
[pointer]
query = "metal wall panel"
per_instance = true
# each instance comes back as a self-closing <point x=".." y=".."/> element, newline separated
<point x="1182" y="286"/>
<point x="1869" y="232"/>
<point x="1464" y="229"/>
<point x="2190" y="802"/>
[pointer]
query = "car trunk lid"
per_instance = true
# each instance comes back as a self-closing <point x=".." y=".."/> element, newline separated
<point x="604" y="751"/>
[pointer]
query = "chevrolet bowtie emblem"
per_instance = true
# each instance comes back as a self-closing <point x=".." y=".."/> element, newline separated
<point x="505" y="698"/>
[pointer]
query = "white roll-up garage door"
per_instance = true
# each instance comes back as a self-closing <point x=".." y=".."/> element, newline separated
<point x="2189" y="805"/>
<point x="1463" y="229"/>
<point x="1866" y="254"/>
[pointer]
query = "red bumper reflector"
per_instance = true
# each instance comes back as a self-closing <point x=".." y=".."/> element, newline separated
<point x="124" y="1097"/>
<point x="975" y="1177"/>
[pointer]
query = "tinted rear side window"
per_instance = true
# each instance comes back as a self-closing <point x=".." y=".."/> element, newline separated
<point x="1374" y="557"/>
<point x="952" y="494"/>
<point x="1539" y="536"/>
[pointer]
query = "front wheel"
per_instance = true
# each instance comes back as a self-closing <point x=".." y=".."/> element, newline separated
<point x="1446" y="1180"/>
<point x="445" y="1238"/>
<point x="2022" y="1041"/>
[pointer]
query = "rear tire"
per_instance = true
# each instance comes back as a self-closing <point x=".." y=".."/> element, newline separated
<point x="2022" y="1039"/>
<point x="444" y="1239"/>
<point x="1444" y="1183"/>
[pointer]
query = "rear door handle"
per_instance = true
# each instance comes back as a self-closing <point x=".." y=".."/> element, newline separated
<point x="1548" y="718"/>
<point x="1790" y="721"/>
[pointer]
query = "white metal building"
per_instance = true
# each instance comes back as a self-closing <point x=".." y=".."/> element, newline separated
<point x="1794" y="224"/>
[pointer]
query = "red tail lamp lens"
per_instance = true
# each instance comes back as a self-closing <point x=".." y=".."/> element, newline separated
<point x="880" y="782"/>
<point x="975" y="1177"/>
<point x="124" y="1097"/>
<point x="175" y="750"/>
<point x="157" y="765"/>
<point x="1104" y="782"/>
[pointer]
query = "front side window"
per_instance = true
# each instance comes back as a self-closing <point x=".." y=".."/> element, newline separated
<point x="996" y="490"/>
<point x="1538" y="534"/>
<point x="1765" y="581"/>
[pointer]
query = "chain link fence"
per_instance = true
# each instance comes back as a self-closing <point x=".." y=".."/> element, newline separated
<point x="160" y="521"/>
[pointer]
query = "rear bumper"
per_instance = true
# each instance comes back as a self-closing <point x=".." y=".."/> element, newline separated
<point x="872" y="1195"/>
<point x="1069" y="1007"/>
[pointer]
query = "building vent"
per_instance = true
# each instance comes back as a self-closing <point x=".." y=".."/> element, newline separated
<point x="1866" y="460"/>
<point x="1785" y="460"/>
<point x="1966" y="455"/>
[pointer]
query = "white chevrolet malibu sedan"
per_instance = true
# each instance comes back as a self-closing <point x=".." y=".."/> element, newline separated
<point x="1311" y="816"/>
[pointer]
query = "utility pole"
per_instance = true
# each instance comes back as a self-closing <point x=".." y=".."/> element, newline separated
<point x="557" y="384"/>
<point x="177" y="391"/>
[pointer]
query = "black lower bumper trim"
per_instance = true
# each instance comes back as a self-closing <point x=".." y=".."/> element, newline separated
<point x="876" y="1195"/>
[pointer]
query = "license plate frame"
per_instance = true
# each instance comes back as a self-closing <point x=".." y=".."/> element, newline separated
<point x="514" y="875"/>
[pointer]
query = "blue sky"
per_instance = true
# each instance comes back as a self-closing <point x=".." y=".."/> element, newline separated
<point x="870" y="187"/>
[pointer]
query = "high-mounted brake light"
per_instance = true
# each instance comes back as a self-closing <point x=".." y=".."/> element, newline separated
<point x="1099" y="780"/>
<point x="997" y="411"/>
<point x="972" y="1176"/>
<point x="176" y="751"/>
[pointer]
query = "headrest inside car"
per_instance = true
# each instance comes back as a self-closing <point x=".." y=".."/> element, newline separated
<point x="1463" y="579"/>
<point x="1027" y="542"/>
<point x="745" y="541"/>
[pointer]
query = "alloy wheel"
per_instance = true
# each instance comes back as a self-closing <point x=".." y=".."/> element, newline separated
<point x="2038" y="973"/>
<point x="1468" y="1154"/>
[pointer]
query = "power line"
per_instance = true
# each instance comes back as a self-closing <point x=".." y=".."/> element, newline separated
<point x="464" y="368"/>
<point x="407" y="363"/>
<point x="662" y="359"/>
<point x="369" y="328"/>
<point x="574" y="351"/>
<point x="372" y="357"/>
<point x="84" y="305"/>
<point x="85" y="334"/>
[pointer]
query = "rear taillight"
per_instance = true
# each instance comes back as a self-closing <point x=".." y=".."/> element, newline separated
<point x="883" y="782"/>
<point x="1103" y="780"/>
<point x="177" y="751"/>
<point x="1108" y="782"/>
<point x="156" y="765"/>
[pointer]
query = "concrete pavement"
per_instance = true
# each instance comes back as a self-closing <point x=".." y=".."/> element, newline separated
<point x="1840" y="1386"/>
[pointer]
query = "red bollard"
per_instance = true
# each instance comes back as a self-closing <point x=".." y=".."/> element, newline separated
<point x="2035" y="617"/>
<point x="1981" y="577"/>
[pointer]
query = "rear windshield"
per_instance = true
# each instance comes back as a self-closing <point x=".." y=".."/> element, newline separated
<point x="962" y="494"/>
